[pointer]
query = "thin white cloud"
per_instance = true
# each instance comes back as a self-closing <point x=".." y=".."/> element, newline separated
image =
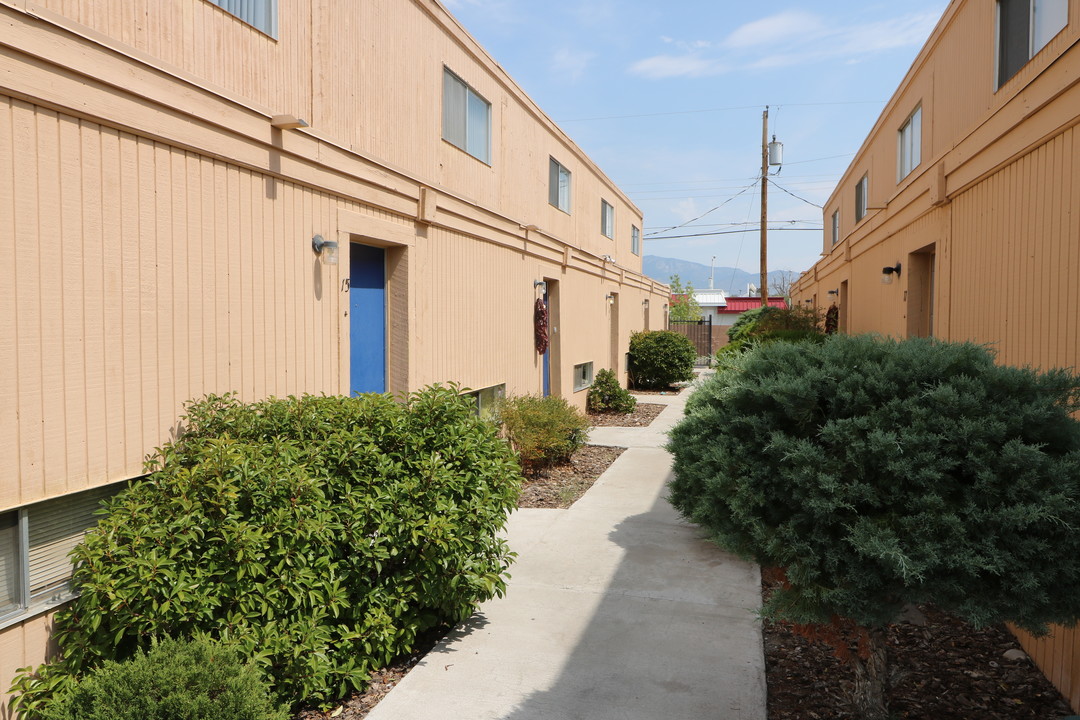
<point x="779" y="28"/>
<point x="805" y="37"/>
<point x="572" y="64"/>
<point x="667" y="66"/>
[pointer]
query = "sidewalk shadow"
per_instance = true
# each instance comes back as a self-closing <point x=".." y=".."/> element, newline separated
<point x="675" y="636"/>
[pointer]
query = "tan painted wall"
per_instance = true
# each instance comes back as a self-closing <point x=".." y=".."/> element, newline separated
<point x="155" y="236"/>
<point x="995" y="196"/>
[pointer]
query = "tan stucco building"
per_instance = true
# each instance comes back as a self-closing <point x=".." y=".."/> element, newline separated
<point x="965" y="198"/>
<point x="166" y="167"/>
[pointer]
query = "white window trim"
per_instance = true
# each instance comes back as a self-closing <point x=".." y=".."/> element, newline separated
<point x="607" y="219"/>
<point x="586" y="381"/>
<point x="909" y="145"/>
<point x="259" y="14"/>
<point x="862" y="191"/>
<point x="468" y="128"/>
<point x="27" y="606"/>
<point x="1033" y="43"/>
<point x="556" y="172"/>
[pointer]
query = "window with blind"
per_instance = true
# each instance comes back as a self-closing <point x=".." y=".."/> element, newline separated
<point x="558" y="185"/>
<point x="466" y="118"/>
<point x="260" y="14"/>
<point x="35" y="547"/>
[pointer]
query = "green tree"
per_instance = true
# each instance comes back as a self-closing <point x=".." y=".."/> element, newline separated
<point x="883" y="473"/>
<point x="684" y="307"/>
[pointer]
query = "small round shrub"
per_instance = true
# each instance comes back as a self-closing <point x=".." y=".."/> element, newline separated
<point x="175" y="680"/>
<point x="543" y="430"/>
<point x="607" y="395"/>
<point x="321" y="535"/>
<point x="661" y="358"/>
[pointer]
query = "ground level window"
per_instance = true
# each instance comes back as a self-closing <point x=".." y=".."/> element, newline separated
<point x="487" y="398"/>
<point x="583" y="376"/>
<point x="35" y="543"/>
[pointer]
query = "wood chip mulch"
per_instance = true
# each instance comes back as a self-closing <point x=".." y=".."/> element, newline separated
<point x="560" y="486"/>
<point x="642" y="416"/>
<point x="942" y="670"/>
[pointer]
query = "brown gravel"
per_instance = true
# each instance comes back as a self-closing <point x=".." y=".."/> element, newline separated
<point x="642" y="416"/>
<point x="943" y="670"/>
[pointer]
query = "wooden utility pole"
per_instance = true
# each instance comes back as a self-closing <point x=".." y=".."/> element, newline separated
<point x="764" y="207"/>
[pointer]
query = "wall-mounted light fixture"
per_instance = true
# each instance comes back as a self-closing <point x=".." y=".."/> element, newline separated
<point x="808" y="300"/>
<point x="287" y="122"/>
<point x="834" y="292"/>
<point x="325" y="249"/>
<point x="607" y="258"/>
<point x="888" y="272"/>
<point x="540" y="284"/>
<point x="645" y="303"/>
<point x="610" y="298"/>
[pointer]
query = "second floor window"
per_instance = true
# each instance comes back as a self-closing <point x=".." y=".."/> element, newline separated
<point x="607" y="219"/>
<point x="861" y="190"/>
<point x="466" y="118"/>
<point x="836" y="227"/>
<point x="559" y="186"/>
<point x="909" y="145"/>
<point x="635" y="240"/>
<point x="260" y="14"/>
<point x="1024" y="28"/>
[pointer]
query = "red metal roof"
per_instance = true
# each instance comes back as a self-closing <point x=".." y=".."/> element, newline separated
<point x="737" y="305"/>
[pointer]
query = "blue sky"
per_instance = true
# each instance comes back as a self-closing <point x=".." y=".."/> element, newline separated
<point x="667" y="99"/>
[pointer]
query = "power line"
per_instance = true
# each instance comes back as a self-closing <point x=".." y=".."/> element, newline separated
<point x="676" y="227"/>
<point x="722" y="109"/>
<point x="732" y="232"/>
<point x="773" y="182"/>
<point x="754" y="223"/>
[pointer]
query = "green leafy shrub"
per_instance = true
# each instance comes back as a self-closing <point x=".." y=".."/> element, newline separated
<point x="318" y="534"/>
<point x="881" y="473"/>
<point x="607" y="395"/>
<point x="192" y="680"/>
<point x="543" y="430"/>
<point x="769" y="320"/>
<point x="660" y="358"/>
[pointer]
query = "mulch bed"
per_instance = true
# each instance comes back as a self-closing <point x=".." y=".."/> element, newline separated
<point x="642" y="416"/>
<point x="944" y="670"/>
<point x="675" y="390"/>
<point x="561" y="485"/>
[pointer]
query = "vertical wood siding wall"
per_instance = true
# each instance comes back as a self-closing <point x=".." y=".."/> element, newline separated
<point x="997" y="194"/>
<point x="142" y="276"/>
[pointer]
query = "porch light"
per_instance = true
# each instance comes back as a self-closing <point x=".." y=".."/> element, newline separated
<point x="540" y="284"/>
<point x="888" y="272"/>
<point x="325" y="249"/>
<point x="610" y="299"/>
<point x="834" y="292"/>
<point x="645" y="303"/>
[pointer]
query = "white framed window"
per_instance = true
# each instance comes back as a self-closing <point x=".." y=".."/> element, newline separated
<point x="260" y="14"/>
<point x="583" y="376"/>
<point x="558" y="185"/>
<point x="909" y="145"/>
<point x="607" y="219"/>
<point x="635" y="240"/>
<point x="466" y="118"/>
<point x="487" y="398"/>
<point x="835" y="227"/>
<point x="35" y="542"/>
<point x="862" y="189"/>
<point x="1024" y="28"/>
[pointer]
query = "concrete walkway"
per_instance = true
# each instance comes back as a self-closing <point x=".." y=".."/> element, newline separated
<point x="616" y="610"/>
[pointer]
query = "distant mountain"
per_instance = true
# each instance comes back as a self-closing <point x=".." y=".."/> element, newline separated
<point x="731" y="280"/>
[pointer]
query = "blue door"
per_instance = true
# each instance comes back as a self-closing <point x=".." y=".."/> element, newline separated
<point x="547" y="353"/>
<point x="367" y="313"/>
